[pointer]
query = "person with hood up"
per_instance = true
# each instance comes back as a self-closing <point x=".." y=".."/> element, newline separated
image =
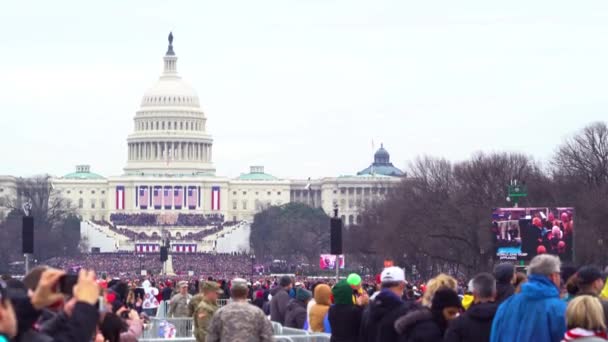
<point x="344" y="316"/>
<point x="585" y="320"/>
<point x="475" y="324"/>
<point x="505" y="277"/>
<point x="280" y="299"/>
<point x="295" y="317"/>
<point x="429" y="324"/>
<point x="377" y="323"/>
<point x="317" y="319"/>
<point x="536" y="313"/>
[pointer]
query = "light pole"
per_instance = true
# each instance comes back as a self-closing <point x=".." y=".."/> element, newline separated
<point x="252" y="256"/>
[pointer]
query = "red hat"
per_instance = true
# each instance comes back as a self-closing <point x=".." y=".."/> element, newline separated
<point x="110" y="297"/>
<point x="541" y="249"/>
<point x="378" y="279"/>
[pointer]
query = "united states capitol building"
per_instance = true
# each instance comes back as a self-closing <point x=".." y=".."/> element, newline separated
<point x="170" y="172"/>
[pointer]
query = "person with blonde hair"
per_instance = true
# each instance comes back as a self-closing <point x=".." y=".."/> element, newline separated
<point x="585" y="320"/>
<point x="440" y="281"/>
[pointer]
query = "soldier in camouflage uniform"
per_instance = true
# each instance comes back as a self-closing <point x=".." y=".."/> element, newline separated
<point x="205" y="308"/>
<point x="239" y="321"/>
<point x="178" y="307"/>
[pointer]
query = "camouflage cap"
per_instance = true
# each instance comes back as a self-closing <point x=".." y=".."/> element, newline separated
<point x="239" y="283"/>
<point x="182" y="283"/>
<point x="211" y="286"/>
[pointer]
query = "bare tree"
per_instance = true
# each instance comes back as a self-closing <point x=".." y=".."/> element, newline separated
<point x="584" y="157"/>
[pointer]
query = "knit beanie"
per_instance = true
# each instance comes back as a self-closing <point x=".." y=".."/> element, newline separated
<point x="303" y="295"/>
<point x="343" y="293"/>
<point x="445" y="298"/>
<point x="504" y="273"/>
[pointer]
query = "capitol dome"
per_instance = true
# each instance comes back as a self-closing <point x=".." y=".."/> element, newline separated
<point x="382" y="165"/>
<point x="170" y="135"/>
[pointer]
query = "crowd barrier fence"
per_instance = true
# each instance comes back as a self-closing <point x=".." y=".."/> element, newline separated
<point x="181" y="330"/>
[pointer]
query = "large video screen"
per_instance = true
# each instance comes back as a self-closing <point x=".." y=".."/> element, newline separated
<point x="328" y="261"/>
<point x="523" y="233"/>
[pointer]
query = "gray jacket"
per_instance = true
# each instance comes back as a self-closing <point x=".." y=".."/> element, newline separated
<point x="278" y="305"/>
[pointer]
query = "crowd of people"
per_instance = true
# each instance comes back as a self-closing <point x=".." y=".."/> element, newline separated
<point x="143" y="236"/>
<point x="550" y="302"/>
<point x="150" y="219"/>
<point x="129" y="263"/>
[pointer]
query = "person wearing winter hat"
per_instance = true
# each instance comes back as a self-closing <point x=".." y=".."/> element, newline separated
<point x="344" y="316"/>
<point x="430" y="324"/>
<point x="505" y="277"/>
<point x="354" y="280"/>
<point x="475" y="324"/>
<point x="590" y="281"/>
<point x="440" y="281"/>
<point x="585" y="320"/>
<point x="280" y="300"/>
<point x="317" y="318"/>
<point x="295" y="316"/>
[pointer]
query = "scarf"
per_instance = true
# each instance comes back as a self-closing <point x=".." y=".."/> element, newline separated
<point x="576" y="333"/>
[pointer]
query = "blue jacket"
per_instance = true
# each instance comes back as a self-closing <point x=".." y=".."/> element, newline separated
<point x="537" y="314"/>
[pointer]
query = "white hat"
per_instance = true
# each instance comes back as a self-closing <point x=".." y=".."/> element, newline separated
<point x="392" y="274"/>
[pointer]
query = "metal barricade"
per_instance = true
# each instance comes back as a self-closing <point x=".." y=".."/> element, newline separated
<point x="292" y="331"/>
<point x="302" y="338"/>
<point x="177" y="339"/>
<point x="178" y="327"/>
<point x="277" y="328"/>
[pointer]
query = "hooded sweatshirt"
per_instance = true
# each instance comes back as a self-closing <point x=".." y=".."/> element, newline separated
<point x="344" y="317"/>
<point x="318" y="312"/>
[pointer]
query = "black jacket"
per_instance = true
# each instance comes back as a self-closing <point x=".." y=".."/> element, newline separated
<point x="419" y="325"/>
<point x="345" y="322"/>
<point x="377" y="323"/>
<point x="79" y="327"/>
<point x="503" y="291"/>
<point x="295" y="316"/>
<point x="474" y="325"/>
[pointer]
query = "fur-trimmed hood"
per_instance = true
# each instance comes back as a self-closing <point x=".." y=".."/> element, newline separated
<point x="405" y="323"/>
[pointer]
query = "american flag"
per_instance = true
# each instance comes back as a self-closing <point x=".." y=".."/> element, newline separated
<point x="215" y="198"/>
<point x="177" y="197"/>
<point x="120" y="197"/>
<point x="147" y="248"/>
<point x="192" y="197"/>
<point x="158" y="198"/>
<point x="184" y="248"/>
<point x="168" y="199"/>
<point x="143" y="197"/>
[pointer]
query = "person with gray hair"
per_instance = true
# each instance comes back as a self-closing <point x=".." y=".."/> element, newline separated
<point x="475" y="324"/>
<point x="536" y="313"/>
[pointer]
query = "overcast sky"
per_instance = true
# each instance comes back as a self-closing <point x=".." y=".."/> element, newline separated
<point x="302" y="86"/>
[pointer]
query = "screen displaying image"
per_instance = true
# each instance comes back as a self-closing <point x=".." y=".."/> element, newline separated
<point x="328" y="261"/>
<point x="522" y="233"/>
